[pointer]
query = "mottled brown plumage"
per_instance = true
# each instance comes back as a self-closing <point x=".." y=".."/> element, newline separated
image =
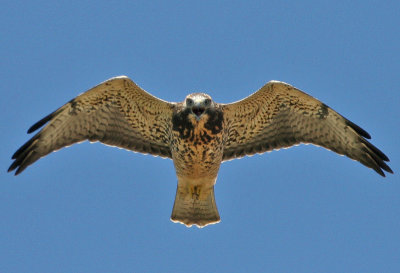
<point x="197" y="150"/>
<point x="280" y="116"/>
<point x="197" y="134"/>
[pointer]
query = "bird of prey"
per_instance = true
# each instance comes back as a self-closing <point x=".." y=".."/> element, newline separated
<point x="198" y="134"/>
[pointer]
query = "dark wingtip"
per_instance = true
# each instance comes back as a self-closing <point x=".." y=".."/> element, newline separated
<point x="26" y="154"/>
<point x="25" y="158"/>
<point x="378" y="158"/>
<point x="379" y="171"/>
<point x="389" y="170"/>
<point x="14" y="166"/>
<point x="384" y="157"/>
<point x="41" y="122"/>
<point x="380" y="162"/>
<point x="375" y="150"/>
<point x="22" y="154"/>
<point x="10" y="169"/>
<point x="16" y="173"/>
<point x="358" y="129"/>
<point x="377" y="154"/>
<point x="384" y="166"/>
<point x="23" y="148"/>
<point x="19" y="170"/>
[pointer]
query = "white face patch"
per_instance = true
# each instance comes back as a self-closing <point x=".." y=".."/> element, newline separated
<point x="196" y="99"/>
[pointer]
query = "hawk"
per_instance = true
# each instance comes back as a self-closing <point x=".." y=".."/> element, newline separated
<point x="198" y="134"/>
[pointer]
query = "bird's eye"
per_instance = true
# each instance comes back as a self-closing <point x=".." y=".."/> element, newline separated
<point x="207" y="102"/>
<point x="189" y="102"/>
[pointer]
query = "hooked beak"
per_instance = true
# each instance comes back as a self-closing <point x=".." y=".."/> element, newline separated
<point x="198" y="110"/>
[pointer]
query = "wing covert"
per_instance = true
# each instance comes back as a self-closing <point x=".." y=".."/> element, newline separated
<point x="280" y="116"/>
<point x="116" y="112"/>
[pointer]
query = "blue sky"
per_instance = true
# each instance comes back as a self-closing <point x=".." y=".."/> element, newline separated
<point x="92" y="208"/>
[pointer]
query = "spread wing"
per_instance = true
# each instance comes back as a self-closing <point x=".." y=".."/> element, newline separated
<point x="116" y="112"/>
<point x="279" y="116"/>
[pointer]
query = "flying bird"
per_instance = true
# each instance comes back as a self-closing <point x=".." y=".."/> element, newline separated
<point x="198" y="134"/>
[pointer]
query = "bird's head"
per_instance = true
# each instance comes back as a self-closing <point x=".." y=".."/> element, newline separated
<point x="198" y="104"/>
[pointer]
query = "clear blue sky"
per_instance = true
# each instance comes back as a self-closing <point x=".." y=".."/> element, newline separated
<point x="92" y="208"/>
